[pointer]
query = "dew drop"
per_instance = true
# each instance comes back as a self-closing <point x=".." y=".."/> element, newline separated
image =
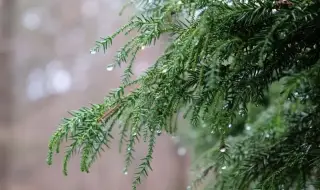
<point x="248" y="128"/>
<point x="125" y="172"/>
<point x="223" y="149"/>
<point x="282" y="35"/>
<point x="93" y="52"/>
<point x="242" y="113"/>
<point x="282" y="187"/>
<point x="110" y="67"/>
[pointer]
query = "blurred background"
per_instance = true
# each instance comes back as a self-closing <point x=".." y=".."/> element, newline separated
<point x="46" y="70"/>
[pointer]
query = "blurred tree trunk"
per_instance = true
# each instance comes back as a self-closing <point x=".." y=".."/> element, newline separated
<point x="5" y="88"/>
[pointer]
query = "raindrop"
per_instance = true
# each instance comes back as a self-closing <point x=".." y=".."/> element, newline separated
<point x="282" y="187"/>
<point x="230" y="125"/>
<point x="224" y="167"/>
<point x="189" y="187"/>
<point x="197" y="13"/>
<point x="143" y="47"/>
<point x="180" y="3"/>
<point x="282" y="35"/>
<point x="267" y="135"/>
<point x="212" y="132"/>
<point x="110" y="67"/>
<point x="164" y="70"/>
<point x="195" y="42"/>
<point x="129" y="148"/>
<point x="248" y="128"/>
<point x="93" y="52"/>
<point x="226" y="106"/>
<point x="241" y="112"/>
<point x="158" y="130"/>
<point x="125" y="172"/>
<point x="223" y="149"/>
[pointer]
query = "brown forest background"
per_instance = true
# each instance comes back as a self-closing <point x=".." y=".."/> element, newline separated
<point x="46" y="70"/>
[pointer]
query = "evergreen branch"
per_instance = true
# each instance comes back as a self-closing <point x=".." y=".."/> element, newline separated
<point x="145" y="165"/>
<point x="220" y="68"/>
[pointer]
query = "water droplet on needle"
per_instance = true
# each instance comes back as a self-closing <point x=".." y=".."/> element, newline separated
<point x="93" y="52"/>
<point x="110" y="67"/>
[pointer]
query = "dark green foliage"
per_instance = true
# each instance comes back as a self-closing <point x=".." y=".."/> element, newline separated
<point x="245" y="74"/>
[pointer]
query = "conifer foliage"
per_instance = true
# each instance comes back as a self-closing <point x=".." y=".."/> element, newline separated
<point x="223" y="60"/>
